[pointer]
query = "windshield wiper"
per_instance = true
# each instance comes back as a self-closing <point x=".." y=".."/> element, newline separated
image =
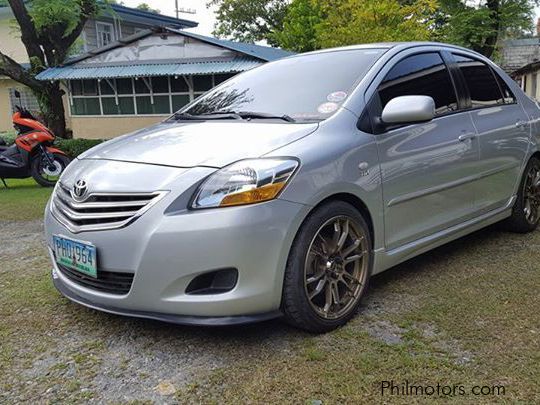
<point x="236" y="115"/>
<point x="218" y="115"/>
<point x="261" y="115"/>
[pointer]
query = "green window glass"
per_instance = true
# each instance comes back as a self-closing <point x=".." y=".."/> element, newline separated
<point x="160" y="106"/>
<point x="221" y="78"/>
<point x="202" y="83"/>
<point x="160" y="84"/>
<point x="125" y="106"/>
<point x="76" y="87"/>
<point x="178" y="101"/>
<point x="141" y="86"/>
<point x="105" y="87"/>
<point x="124" y="86"/>
<point x="90" y="87"/>
<point x="86" y="106"/>
<point x="179" y="85"/>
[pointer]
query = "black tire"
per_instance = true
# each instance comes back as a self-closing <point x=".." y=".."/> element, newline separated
<point x="297" y="307"/>
<point x="521" y="220"/>
<point x="37" y="168"/>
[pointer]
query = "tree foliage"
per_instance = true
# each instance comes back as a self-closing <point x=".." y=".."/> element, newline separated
<point x="303" y="25"/>
<point x="48" y="30"/>
<point x="300" y="26"/>
<point x="146" y="7"/>
<point x="349" y="22"/>
<point x="480" y="25"/>
<point x="249" y="20"/>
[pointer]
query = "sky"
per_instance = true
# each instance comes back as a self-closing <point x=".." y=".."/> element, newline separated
<point x="205" y="17"/>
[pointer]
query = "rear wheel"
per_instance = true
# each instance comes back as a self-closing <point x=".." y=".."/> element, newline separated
<point x="328" y="268"/>
<point x="45" y="173"/>
<point x="526" y="213"/>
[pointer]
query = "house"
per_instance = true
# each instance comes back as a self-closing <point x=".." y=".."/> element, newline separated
<point x="520" y="58"/>
<point x="516" y="53"/>
<point x="143" y="78"/>
<point x="528" y="77"/>
<point x="116" y="23"/>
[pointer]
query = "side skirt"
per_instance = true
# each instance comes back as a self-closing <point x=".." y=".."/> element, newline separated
<point x="386" y="259"/>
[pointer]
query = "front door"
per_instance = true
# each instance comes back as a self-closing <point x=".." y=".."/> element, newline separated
<point x="427" y="169"/>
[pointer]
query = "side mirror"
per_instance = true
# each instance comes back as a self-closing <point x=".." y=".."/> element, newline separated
<point x="408" y="110"/>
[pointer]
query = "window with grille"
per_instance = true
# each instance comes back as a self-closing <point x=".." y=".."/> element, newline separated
<point x="157" y="95"/>
<point x="27" y="100"/>
<point x="105" y="33"/>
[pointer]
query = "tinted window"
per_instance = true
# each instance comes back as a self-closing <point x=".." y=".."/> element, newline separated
<point x="307" y="87"/>
<point x="420" y="75"/>
<point x="483" y="86"/>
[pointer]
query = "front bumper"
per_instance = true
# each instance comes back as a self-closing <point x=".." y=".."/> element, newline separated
<point x="170" y="318"/>
<point x="165" y="252"/>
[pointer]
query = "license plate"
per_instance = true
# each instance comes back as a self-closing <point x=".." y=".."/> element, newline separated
<point x="77" y="255"/>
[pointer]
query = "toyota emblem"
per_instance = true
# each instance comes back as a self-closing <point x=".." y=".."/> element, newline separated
<point x="79" y="189"/>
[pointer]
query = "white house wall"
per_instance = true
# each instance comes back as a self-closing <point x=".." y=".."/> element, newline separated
<point x="154" y="48"/>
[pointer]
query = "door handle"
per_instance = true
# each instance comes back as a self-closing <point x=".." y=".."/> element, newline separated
<point x="466" y="137"/>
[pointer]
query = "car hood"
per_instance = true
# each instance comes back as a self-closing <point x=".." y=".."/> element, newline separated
<point x="212" y="144"/>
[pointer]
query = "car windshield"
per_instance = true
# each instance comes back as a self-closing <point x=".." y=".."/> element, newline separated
<point x="303" y="88"/>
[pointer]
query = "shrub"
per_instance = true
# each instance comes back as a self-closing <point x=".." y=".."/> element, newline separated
<point x="72" y="147"/>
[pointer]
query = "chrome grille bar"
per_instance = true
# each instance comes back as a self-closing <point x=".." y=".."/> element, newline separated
<point x="100" y="211"/>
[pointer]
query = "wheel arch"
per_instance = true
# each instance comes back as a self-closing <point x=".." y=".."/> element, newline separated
<point x="534" y="155"/>
<point x="357" y="203"/>
<point x="349" y="198"/>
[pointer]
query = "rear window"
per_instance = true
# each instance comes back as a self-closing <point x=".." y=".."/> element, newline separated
<point x="481" y="82"/>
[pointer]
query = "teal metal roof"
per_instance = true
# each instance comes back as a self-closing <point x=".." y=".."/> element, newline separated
<point x="72" y="72"/>
<point x="266" y="53"/>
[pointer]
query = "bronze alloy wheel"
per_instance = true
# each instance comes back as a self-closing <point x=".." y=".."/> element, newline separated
<point x="531" y="195"/>
<point x="336" y="267"/>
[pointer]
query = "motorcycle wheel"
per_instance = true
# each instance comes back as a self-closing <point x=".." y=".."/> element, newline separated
<point x="45" y="175"/>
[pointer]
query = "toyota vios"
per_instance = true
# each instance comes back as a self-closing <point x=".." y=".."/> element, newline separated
<point x="282" y="190"/>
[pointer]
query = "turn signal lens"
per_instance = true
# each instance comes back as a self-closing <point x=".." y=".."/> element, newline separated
<point x="245" y="182"/>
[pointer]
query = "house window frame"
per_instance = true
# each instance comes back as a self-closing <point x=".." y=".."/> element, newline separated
<point x="191" y="93"/>
<point x="98" y="34"/>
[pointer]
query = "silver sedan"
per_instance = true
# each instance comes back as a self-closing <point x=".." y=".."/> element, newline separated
<point x="283" y="190"/>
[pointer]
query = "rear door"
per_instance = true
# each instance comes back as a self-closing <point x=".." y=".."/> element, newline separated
<point x="503" y="131"/>
<point x="427" y="169"/>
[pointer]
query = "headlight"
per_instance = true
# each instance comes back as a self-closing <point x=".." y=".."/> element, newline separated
<point x="245" y="182"/>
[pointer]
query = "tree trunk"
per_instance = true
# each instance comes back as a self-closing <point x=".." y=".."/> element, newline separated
<point x="490" y="43"/>
<point x="52" y="106"/>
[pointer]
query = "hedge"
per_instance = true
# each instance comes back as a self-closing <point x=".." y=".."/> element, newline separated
<point x="72" y="147"/>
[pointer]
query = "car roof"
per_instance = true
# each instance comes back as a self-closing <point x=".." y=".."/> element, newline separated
<point x="393" y="45"/>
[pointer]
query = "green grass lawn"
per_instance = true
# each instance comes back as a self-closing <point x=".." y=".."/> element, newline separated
<point x="23" y="200"/>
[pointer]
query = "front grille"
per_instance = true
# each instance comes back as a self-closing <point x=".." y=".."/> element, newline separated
<point x="100" y="211"/>
<point x="107" y="281"/>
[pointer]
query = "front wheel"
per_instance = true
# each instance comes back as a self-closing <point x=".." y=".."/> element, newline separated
<point x="45" y="173"/>
<point x="328" y="268"/>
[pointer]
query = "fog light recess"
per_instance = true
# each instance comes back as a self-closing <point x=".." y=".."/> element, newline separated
<point x="213" y="282"/>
